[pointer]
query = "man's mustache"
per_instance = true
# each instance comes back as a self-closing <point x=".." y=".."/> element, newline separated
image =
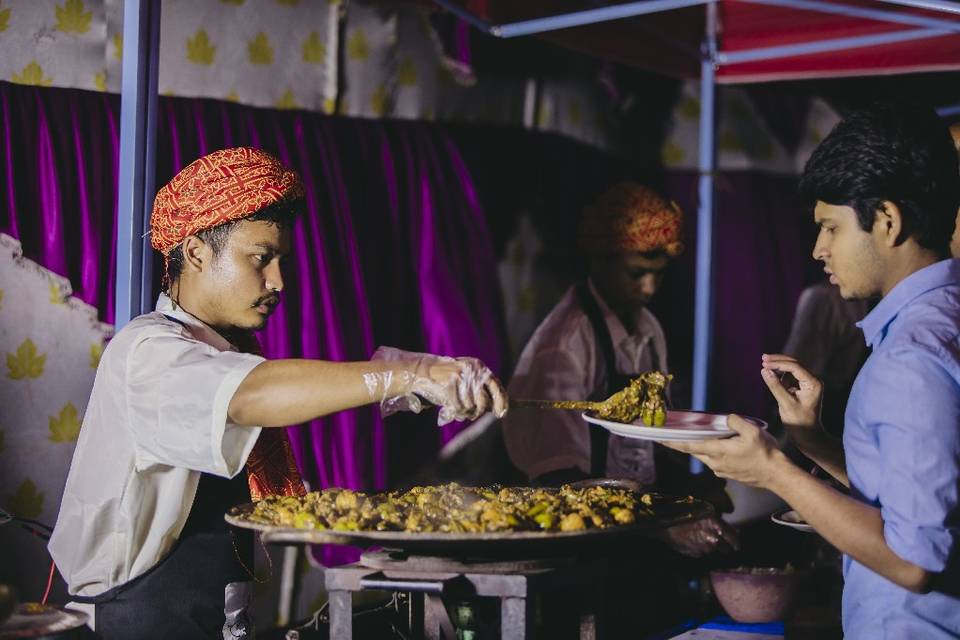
<point x="271" y="300"/>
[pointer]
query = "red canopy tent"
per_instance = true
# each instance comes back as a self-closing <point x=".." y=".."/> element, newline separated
<point x="874" y="36"/>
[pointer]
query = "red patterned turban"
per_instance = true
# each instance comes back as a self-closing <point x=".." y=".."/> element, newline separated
<point x="631" y="217"/>
<point x="224" y="186"/>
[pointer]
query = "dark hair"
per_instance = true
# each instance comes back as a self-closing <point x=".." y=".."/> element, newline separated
<point x="902" y="154"/>
<point x="283" y="214"/>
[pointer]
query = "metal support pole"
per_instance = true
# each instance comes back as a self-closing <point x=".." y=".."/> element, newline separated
<point x="516" y="618"/>
<point x="138" y="107"/>
<point x="946" y="6"/>
<point x="568" y="20"/>
<point x="703" y="308"/>
<point x="883" y="15"/>
<point x="824" y="46"/>
<point x="340" y="610"/>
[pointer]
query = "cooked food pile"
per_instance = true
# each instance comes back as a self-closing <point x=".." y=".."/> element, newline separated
<point x="644" y="398"/>
<point x="451" y="508"/>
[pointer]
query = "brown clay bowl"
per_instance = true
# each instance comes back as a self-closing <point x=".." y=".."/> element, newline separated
<point x="755" y="594"/>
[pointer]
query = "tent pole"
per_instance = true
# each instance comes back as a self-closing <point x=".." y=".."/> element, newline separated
<point x="703" y="309"/>
<point x="138" y="105"/>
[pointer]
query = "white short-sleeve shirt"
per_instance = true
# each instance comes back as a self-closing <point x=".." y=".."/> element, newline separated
<point x="157" y="419"/>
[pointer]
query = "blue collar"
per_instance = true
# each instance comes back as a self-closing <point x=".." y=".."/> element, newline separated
<point x="939" y="274"/>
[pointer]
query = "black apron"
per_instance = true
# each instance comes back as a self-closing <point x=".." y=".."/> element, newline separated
<point x="600" y="438"/>
<point x="183" y="595"/>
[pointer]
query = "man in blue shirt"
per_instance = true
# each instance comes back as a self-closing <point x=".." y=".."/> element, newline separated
<point x="884" y="185"/>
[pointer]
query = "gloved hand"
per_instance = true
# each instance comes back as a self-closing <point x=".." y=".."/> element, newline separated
<point x="700" y="537"/>
<point x="463" y="388"/>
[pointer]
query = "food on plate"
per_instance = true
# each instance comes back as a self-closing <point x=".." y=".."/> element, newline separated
<point x="451" y="508"/>
<point x="644" y="398"/>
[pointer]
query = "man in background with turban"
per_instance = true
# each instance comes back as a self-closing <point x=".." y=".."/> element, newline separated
<point x="590" y="345"/>
<point x="183" y="403"/>
<point x="597" y="337"/>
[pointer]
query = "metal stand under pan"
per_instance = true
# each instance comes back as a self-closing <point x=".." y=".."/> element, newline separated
<point x="435" y="583"/>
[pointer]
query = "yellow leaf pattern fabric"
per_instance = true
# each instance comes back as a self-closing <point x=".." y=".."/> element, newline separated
<point x="234" y="2"/>
<point x="672" y="153"/>
<point x="729" y="141"/>
<point x="65" y="427"/>
<point x="71" y="17"/>
<point x="27" y="502"/>
<point x="118" y="46"/>
<point x="100" y="80"/>
<point x="26" y="362"/>
<point x="378" y="102"/>
<point x="96" y="352"/>
<point x="4" y="19"/>
<point x="1" y="299"/>
<point x="260" y="50"/>
<point x="32" y="74"/>
<point x="56" y="293"/>
<point x="575" y="114"/>
<point x="289" y="3"/>
<point x="544" y="115"/>
<point x="314" y="51"/>
<point x="287" y="101"/>
<point x="527" y="300"/>
<point x="357" y="47"/>
<point x="199" y="48"/>
<point x="46" y="384"/>
<point x="690" y="109"/>
<point x="407" y="73"/>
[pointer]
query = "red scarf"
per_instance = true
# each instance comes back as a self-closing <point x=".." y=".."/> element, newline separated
<point x="271" y="467"/>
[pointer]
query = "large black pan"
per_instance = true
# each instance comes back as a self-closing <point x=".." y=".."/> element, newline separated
<point x="668" y="511"/>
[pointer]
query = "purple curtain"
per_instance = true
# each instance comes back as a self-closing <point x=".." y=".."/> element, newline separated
<point x="59" y="184"/>
<point x="393" y="249"/>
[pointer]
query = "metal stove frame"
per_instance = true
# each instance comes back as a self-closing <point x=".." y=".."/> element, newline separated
<point x="516" y="584"/>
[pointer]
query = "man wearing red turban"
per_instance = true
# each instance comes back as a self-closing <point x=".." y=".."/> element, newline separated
<point x="599" y="336"/>
<point x="183" y="403"/>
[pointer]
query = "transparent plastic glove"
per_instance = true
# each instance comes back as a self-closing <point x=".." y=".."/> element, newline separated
<point x="463" y="388"/>
<point x="700" y="537"/>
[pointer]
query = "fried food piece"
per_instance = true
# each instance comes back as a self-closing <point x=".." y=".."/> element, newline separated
<point x="644" y="398"/>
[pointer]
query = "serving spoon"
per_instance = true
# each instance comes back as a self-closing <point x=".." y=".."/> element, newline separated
<point x="642" y="398"/>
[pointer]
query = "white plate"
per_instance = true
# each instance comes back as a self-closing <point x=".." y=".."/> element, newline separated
<point x="679" y="425"/>
<point x="792" y="519"/>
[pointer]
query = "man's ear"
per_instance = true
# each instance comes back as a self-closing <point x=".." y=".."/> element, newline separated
<point x="197" y="254"/>
<point x="888" y="224"/>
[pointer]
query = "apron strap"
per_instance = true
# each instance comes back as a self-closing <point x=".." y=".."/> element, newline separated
<point x="599" y="438"/>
